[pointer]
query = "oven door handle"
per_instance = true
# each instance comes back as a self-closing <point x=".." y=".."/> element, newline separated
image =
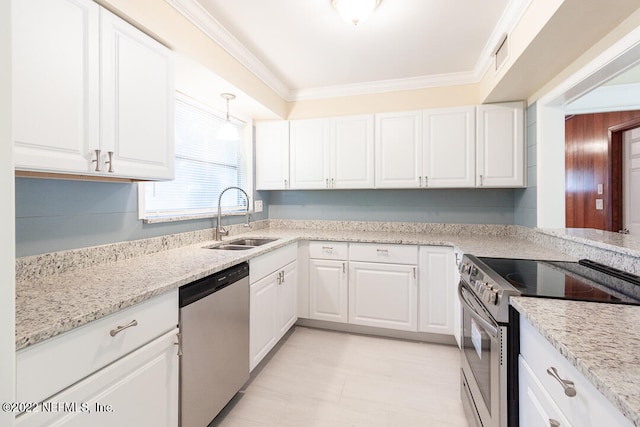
<point x="489" y="326"/>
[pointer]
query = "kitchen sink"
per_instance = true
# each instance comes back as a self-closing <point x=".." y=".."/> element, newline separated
<point x="251" y="242"/>
<point x="241" y="244"/>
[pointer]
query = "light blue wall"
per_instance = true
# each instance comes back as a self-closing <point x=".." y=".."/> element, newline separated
<point x="473" y="206"/>
<point x="525" y="200"/>
<point x="54" y="215"/>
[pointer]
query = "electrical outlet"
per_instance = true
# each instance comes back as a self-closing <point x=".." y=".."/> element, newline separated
<point x="599" y="204"/>
<point x="257" y="206"/>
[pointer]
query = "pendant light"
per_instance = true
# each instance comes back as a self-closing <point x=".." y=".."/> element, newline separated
<point x="355" y="11"/>
<point x="228" y="132"/>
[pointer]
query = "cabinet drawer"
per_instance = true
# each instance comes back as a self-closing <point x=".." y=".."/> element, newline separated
<point x="266" y="264"/>
<point x="50" y="366"/>
<point x="329" y="250"/>
<point x="140" y="388"/>
<point x="390" y="254"/>
<point x="536" y="406"/>
<point x="588" y="408"/>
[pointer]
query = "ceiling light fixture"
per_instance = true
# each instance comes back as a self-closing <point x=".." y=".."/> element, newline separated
<point x="355" y="11"/>
<point x="228" y="132"/>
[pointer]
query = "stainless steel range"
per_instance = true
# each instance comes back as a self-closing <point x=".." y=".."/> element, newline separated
<point x="489" y="388"/>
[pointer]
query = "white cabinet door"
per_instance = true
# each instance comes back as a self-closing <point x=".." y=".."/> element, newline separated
<point x="263" y="320"/>
<point x="137" y="99"/>
<point x="437" y="284"/>
<point x="55" y="84"/>
<point x="449" y="140"/>
<point x="272" y="155"/>
<point x="141" y="389"/>
<point x="383" y="295"/>
<point x="500" y="145"/>
<point x="537" y="408"/>
<point x="287" y="306"/>
<point x="352" y="152"/>
<point x="398" y="145"/>
<point x="310" y="153"/>
<point x="328" y="290"/>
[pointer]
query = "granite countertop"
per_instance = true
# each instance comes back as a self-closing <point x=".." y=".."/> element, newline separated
<point x="50" y="304"/>
<point x="608" y="355"/>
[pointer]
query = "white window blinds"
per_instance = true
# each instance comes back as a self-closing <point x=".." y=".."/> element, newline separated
<point x="204" y="167"/>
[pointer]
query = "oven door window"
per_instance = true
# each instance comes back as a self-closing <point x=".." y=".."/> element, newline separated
<point x="477" y="351"/>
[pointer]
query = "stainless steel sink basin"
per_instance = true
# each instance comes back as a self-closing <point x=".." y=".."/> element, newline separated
<point x="232" y="247"/>
<point x="242" y="244"/>
<point x="251" y="242"/>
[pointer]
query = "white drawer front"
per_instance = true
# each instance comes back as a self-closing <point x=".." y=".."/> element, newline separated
<point x="536" y="406"/>
<point x="50" y="366"/>
<point x="389" y="254"/>
<point x="588" y="408"/>
<point x="329" y="250"/>
<point x="266" y="264"/>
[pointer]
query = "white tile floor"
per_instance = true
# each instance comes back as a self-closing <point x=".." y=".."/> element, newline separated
<point x="333" y="379"/>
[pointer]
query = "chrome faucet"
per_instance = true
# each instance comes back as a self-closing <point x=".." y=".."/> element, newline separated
<point x="219" y="230"/>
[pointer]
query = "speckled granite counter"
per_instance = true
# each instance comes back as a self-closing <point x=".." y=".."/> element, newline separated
<point x="58" y="292"/>
<point x="601" y="340"/>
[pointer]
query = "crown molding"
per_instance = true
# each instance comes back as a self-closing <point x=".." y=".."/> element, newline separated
<point x="381" y="86"/>
<point x="202" y="19"/>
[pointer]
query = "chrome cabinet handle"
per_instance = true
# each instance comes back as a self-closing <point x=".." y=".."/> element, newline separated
<point x="333" y="183"/>
<point x="426" y="181"/>
<point x="414" y="273"/>
<point x="554" y="423"/>
<point x="179" y="343"/>
<point x="119" y="329"/>
<point x="327" y="181"/>
<point x="419" y="181"/>
<point x="344" y="267"/>
<point x="481" y="180"/>
<point x="97" y="160"/>
<point x="282" y="272"/>
<point x="568" y="385"/>
<point x="382" y="251"/>
<point x="327" y="248"/>
<point x="110" y="161"/>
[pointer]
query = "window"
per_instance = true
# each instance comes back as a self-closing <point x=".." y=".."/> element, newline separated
<point x="204" y="166"/>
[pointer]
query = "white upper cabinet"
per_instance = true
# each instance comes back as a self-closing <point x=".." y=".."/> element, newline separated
<point x="137" y="101"/>
<point x="309" y="142"/>
<point x="332" y="153"/>
<point x="352" y="152"/>
<point x="56" y="60"/>
<point x="500" y="145"/>
<point x="84" y="80"/>
<point x="272" y="155"/>
<point x="398" y="142"/>
<point x="448" y="152"/>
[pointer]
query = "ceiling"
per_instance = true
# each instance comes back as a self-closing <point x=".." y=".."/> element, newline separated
<point x="303" y="49"/>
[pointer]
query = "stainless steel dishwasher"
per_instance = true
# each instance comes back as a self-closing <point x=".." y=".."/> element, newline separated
<point x="214" y="328"/>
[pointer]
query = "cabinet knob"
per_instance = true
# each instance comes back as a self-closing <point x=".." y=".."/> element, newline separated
<point x="554" y="423"/>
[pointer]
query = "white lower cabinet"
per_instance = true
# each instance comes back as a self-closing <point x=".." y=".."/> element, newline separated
<point x="536" y="406"/>
<point x="273" y="300"/>
<point x="383" y="295"/>
<point x="328" y="281"/>
<point x="542" y="396"/>
<point x="140" y="389"/>
<point x="110" y="372"/>
<point x="437" y="289"/>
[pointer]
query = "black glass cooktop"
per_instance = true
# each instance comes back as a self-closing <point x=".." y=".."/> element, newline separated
<point x="584" y="280"/>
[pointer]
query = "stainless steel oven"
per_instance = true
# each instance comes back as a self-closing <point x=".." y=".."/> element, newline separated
<point x="484" y="362"/>
<point x="490" y="347"/>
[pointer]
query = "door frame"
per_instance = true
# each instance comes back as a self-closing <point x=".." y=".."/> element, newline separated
<point x="615" y="172"/>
